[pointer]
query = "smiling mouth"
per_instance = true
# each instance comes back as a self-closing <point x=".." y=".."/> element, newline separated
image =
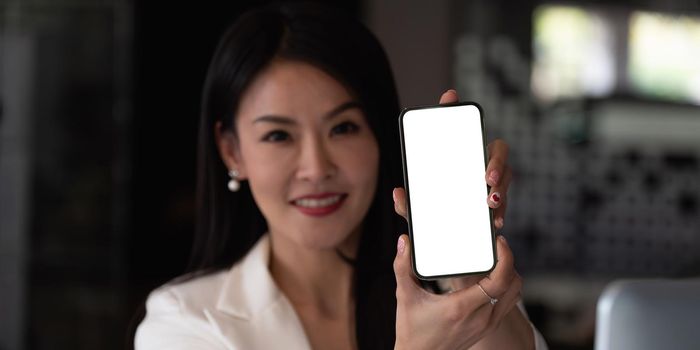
<point x="320" y="205"/>
<point x="317" y="203"/>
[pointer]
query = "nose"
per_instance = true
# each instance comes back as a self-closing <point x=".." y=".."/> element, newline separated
<point x="315" y="161"/>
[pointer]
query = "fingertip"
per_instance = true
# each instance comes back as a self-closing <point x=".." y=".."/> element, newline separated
<point x="503" y="250"/>
<point x="498" y="222"/>
<point x="500" y="245"/>
<point x="400" y="201"/>
<point x="494" y="200"/>
<point x="401" y="245"/>
<point x="493" y="177"/>
<point x="449" y="96"/>
<point x="401" y="261"/>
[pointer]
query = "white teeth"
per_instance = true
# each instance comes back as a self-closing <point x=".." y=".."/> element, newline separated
<point x="317" y="203"/>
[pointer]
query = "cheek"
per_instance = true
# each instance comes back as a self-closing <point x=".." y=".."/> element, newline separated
<point x="268" y="186"/>
<point x="365" y="164"/>
<point x="267" y="173"/>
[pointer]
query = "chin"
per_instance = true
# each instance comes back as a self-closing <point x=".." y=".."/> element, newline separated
<point x="321" y="240"/>
<point x="320" y="233"/>
<point x="322" y="236"/>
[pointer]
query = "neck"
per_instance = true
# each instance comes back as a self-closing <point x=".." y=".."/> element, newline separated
<point x="315" y="280"/>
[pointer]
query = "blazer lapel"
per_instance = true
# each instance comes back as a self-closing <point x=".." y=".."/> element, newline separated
<point x="251" y="311"/>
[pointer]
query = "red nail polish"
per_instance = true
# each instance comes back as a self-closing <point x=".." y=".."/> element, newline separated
<point x="495" y="198"/>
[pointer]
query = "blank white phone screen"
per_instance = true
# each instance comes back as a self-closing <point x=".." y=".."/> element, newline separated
<point x="445" y="167"/>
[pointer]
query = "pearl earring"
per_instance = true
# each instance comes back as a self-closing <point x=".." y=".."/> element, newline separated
<point x="233" y="184"/>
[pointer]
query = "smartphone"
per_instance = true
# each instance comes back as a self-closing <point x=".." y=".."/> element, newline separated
<point x="444" y="163"/>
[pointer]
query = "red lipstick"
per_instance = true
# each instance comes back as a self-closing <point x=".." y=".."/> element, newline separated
<point x="320" y="204"/>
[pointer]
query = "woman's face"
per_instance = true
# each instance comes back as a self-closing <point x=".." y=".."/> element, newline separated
<point x="308" y="153"/>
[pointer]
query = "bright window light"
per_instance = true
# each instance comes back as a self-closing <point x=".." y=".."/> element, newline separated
<point x="573" y="53"/>
<point x="664" y="56"/>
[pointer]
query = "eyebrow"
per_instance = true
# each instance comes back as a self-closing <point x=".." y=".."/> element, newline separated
<point x="289" y="121"/>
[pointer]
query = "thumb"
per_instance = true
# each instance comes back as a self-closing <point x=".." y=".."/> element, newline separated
<point x="406" y="284"/>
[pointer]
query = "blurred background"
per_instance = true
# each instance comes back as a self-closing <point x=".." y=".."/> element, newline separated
<point x="99" y="100"/>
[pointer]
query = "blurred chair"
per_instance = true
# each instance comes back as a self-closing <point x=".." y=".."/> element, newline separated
<point x="649" y="314"/>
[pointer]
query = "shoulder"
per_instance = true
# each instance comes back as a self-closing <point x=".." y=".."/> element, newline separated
<point x="232" y="308"/>
<point x="177" y="314"/>
<point x="188" y="294"/>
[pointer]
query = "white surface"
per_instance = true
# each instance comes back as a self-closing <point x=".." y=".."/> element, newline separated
<point x="451" y="225"/>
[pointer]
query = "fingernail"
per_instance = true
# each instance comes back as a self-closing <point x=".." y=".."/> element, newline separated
<point x="495" y="199"/>
<point x="499" y="223"/>
<point x="494" y="177"/>
<point x="503" y="239"/>
<point x="393" y="195"/>
<point x="400" y="246"/>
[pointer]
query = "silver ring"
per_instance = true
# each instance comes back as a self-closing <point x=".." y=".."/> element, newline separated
<point x="493" y="301"/>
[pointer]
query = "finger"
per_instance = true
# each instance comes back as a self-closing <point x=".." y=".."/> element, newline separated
<point x="464" y="282"/>
<point x="495" y="198"/>
<point x="499" y="279"/>
<point x="508" y="301"/>
<point x="468" y="300"/>
<point x="499" y="215"/>
<point x="399" y="195"/>
<point x="479" y="321"/>
<point x="406" y="285"/>
<point x="498" y="198"/>
<point x="482" y="311"/>
<point x="449" y="96"/>
<point x="498" y="156"/>
<point x="498" y="193"/>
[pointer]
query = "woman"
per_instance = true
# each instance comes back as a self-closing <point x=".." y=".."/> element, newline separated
<point x="297" y="246"/>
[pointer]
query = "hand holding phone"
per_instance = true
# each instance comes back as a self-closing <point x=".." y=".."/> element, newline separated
<point x="444" y="157"/>
<point x="462" y="318"/>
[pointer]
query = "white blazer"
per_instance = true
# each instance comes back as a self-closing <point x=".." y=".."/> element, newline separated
<point x="241" y="308"/>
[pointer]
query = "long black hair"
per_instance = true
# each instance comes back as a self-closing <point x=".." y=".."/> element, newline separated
<point x="229" y="224"/>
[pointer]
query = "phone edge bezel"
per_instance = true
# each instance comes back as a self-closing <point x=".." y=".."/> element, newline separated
<point x="406" y="188"/>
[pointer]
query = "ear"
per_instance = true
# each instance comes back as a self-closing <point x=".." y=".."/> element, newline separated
<point x="229" y="149"/>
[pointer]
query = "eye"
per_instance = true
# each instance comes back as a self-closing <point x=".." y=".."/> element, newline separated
<point x="276" y="136"/>
<point x="346" y="127"/>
